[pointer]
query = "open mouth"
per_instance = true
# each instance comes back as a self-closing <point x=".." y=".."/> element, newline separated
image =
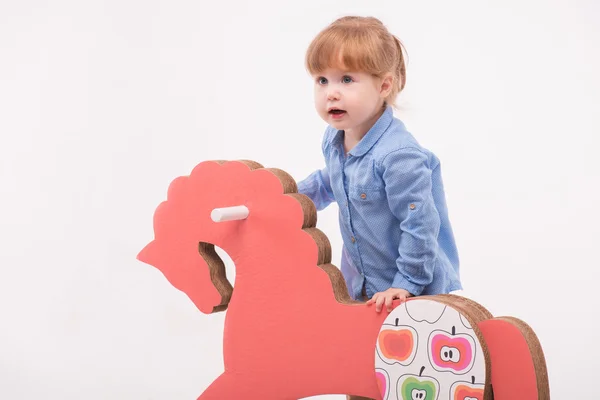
<point x="336" y="112"/>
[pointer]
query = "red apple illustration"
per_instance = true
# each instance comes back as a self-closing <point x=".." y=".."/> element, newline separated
<point x="397" y="344"/>
<point x="417" y="387"/>
<point x="467" y="390"/>
<point x="449" y="351"/>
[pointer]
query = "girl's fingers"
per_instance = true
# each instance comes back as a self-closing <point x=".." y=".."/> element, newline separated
<point x="373" y="299"/>
<point x="388" y="302"/>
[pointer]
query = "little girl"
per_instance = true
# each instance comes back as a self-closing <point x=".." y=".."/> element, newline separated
<point x="394" y="222"/>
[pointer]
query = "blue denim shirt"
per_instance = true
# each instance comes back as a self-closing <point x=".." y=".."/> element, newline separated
<point x="392" y="211"/>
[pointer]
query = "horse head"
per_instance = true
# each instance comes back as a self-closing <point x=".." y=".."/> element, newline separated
<point x="186" y="230"/>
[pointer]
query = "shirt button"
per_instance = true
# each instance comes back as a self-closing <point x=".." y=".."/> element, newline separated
<point x="353" y="239"/>
<point x="363" y="196"/>
<point x="412" y="206"/>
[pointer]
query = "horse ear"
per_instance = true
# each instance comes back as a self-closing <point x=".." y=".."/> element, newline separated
<point x="148" y="253"/>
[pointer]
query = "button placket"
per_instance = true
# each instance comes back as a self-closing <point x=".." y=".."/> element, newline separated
<point x="342" y="161"/>
<point x="354" y="249"/>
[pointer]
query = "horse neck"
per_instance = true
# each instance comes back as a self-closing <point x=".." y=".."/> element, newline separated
<point x="273" y="267"/>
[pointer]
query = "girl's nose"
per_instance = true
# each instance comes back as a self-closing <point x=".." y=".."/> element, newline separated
<point x="333" y="94"/>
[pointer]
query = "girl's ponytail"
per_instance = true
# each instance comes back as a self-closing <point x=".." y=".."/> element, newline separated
<point x="400" y="72"/>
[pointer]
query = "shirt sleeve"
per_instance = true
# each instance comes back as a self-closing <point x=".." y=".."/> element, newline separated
<point x="407" y="176"/>
<point x="317" y="186"/>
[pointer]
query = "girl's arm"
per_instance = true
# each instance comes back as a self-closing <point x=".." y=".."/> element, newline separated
<point x="407" y="176"/>
<point x="318" y="187"/>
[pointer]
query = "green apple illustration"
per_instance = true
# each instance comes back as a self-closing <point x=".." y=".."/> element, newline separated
<point x="413" y="387"/>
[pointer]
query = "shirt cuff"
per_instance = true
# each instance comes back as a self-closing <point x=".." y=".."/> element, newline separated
<point x="302" y="186"/>
<point x="400" y="282"/>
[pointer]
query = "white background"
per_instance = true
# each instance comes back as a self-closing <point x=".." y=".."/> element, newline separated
<point x="103" y="103"/>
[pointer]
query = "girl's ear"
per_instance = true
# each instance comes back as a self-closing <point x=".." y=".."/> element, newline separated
<point x="386" y="85"/>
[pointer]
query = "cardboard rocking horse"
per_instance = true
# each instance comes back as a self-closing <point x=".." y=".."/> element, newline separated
<point x="291" y="329"/>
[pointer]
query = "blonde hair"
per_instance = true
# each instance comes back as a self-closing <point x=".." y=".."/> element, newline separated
<point x="361" y="44"/>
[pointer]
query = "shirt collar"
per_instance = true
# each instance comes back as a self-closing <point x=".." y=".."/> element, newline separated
<point x="372" y="135"/>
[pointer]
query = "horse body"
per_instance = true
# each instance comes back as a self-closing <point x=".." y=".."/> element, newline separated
<point x="283" y="308"/>
<point x="302" y="345"/>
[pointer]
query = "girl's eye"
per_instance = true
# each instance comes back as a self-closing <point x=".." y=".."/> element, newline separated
<point x="347" y="79"/>
<point x="322" y="81"/>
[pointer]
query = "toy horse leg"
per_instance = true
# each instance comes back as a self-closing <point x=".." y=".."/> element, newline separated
<point x="518" y="364"/>
<point x="237" y="386"/>
<point x="225" y="387"/>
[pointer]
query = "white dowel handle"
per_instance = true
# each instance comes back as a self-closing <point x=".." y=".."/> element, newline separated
<point x="229" y="213"/>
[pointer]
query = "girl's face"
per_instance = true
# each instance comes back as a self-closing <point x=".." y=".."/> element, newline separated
<point x="349" y="101"/>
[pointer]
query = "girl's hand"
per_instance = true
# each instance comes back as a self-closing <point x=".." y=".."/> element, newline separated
<point x="387" y="297"/>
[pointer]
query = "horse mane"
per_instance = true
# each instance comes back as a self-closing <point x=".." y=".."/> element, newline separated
<point x="289" y="188"/>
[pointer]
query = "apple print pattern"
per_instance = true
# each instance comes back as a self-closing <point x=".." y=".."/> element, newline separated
<point x="466" y="390"/>
<point x="427" y="350"/>
<point x="417" y="387"/>
<point x="383" y="383"/>
<point x="397" y="344"/>
<point x="450" y="351"/>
